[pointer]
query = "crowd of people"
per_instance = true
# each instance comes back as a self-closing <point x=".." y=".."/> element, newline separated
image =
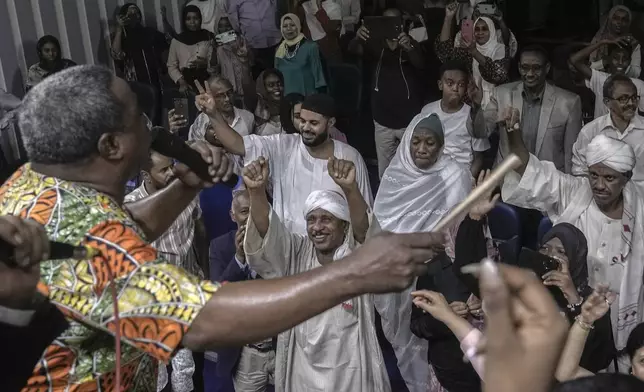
<point x="317" y="271"/>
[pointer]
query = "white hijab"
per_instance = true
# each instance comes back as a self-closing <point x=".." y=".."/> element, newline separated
<point x="492" y="49"/>
<point x="411" y="199"/>
<point x="414" y="200"/>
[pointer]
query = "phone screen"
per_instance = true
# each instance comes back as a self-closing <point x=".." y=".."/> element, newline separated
<point x="467" y="30"/>
<point x="181" y="107"/>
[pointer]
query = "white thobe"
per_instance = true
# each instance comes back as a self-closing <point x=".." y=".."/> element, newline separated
<point x="615" y="247"/>
<point x="335" y="351"/>
<point x="294" y="174"/>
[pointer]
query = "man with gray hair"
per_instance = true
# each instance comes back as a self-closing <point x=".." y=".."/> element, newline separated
<point x="86" y="135"/>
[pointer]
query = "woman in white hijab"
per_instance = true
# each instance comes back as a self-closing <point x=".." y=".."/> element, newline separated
<point x="418" y="188"/>
<point x="489" y="58"/>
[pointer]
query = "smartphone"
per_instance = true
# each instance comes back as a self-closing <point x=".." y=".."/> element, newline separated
<point x="542" y="264"/>
<point x="601" y="274"/>
<point x="181" y="107"/>
<point x="383" y="27"/>
<point x="227" y="37"/>
<point x="486" y="9"/>
<point x="467" y="30"/>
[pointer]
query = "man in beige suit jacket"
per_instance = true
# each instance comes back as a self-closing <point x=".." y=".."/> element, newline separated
<point x="550" y="116"/>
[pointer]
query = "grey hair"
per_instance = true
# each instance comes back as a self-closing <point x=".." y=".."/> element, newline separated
<point x="62" y="118"/>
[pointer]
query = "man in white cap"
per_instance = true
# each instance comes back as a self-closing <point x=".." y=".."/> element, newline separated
<point x="337" y="350"/>
<point x="606" y="206"/>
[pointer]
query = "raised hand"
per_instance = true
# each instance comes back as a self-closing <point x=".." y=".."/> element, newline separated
<point x="205" y="101"/>
<point x="18" y="279"/>
<point x="511" y="118"/>
<point x="405" y="41"/>
<point x="433" y="303"/>
<point x="256" y="174"/>
<point x="219" y="166"/>
<point x="391" y="262"/>
<point x="486" y="203"/>
<point x="342" y="172"/>
<point x="239" y="243"/>
<point x="176" y="121"/>
<point x="363" y="33"/>
<point x="451" y="10"/>
<point x="597" y="304"/>
<point x="525" y="332"/>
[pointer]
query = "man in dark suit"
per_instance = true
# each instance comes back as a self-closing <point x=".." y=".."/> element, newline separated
<point x="28" y="322"/>
<point x="228" y="264"/>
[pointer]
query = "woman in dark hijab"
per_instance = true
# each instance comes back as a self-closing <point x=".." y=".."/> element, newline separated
<point x="138" y="49"/>
<point x="191" y="52"/>
<point x="50" y="61"/>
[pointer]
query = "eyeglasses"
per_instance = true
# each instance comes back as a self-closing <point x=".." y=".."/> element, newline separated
<point x="626" y="99"/>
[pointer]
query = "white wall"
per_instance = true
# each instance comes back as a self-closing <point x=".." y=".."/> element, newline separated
<point x="82" y="26"/>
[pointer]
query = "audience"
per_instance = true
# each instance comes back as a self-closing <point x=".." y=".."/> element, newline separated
<point x="293" y="314"/>
<point x="50" y="61"/>
<point x="191" y="52"/>
<point x="298" y="59"/>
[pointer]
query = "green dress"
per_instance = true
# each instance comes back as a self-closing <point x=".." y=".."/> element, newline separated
<point x="303" y="72"/>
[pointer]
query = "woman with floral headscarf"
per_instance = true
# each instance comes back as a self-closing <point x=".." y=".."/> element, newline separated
<point x="618" y="24"/>
<point x="50" y="61"/>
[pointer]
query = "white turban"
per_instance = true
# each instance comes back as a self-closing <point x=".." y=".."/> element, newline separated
<point x="613" y="153"/>
<point x="330" y="201"/>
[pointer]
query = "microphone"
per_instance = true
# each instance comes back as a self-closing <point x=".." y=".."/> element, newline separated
<point x="174" y="147"/>
<point x="57" y="251"/>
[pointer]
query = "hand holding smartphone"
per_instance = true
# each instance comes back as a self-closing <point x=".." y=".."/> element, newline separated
<point x="467" y="31"/>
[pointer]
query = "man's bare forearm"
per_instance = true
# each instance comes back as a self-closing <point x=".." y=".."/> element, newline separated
<point x="247" y="312"/>
<point x="156" y="213"/>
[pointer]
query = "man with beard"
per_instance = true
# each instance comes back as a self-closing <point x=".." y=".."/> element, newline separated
<point x="606" y="206"/>
<point x="550" y="116"/>
<point x="616" y="62"/>
<point x="622" y="123"/>
<point x="298" y="162"/>
<point x="337" y="350"/>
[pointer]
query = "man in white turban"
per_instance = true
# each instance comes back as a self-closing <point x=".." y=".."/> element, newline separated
<point x="606" y="206"/>
<point x="337" y="350"/>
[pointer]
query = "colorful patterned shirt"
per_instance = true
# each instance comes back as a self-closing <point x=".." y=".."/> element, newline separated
<point x="157" y="301"/>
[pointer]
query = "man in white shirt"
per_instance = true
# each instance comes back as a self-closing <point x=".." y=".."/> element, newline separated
<point x="298" y="161"/>
<point x="242" y="121"/>
<point x="456" y="117"/>
<point x="622" y="123"/>
<point x="350" y="15"/>
<point x="606" y="206"/>
<point x="616" y="62"/>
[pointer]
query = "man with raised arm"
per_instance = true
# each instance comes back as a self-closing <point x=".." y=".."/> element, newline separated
<point x="606" y="206"/>
<point x="298" y="161"/>
<point x="337" y="350"/>
<point x="86" y="136"/>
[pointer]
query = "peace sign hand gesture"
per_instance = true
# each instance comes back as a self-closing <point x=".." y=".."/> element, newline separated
<point x="205" y="102"/>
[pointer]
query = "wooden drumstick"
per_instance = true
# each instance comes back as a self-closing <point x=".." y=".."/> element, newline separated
<point x="510" y="163"/>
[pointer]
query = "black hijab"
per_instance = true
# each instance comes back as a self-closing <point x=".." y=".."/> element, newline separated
<point x="576" y="247"/>
<point x="188" y="37"/>
<point x="57" y="64"/>
<point x="287" y="105"/>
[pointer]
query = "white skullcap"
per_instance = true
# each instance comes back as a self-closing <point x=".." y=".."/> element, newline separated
<point x="611" y="152"/>
<point x="330" y="201"/>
